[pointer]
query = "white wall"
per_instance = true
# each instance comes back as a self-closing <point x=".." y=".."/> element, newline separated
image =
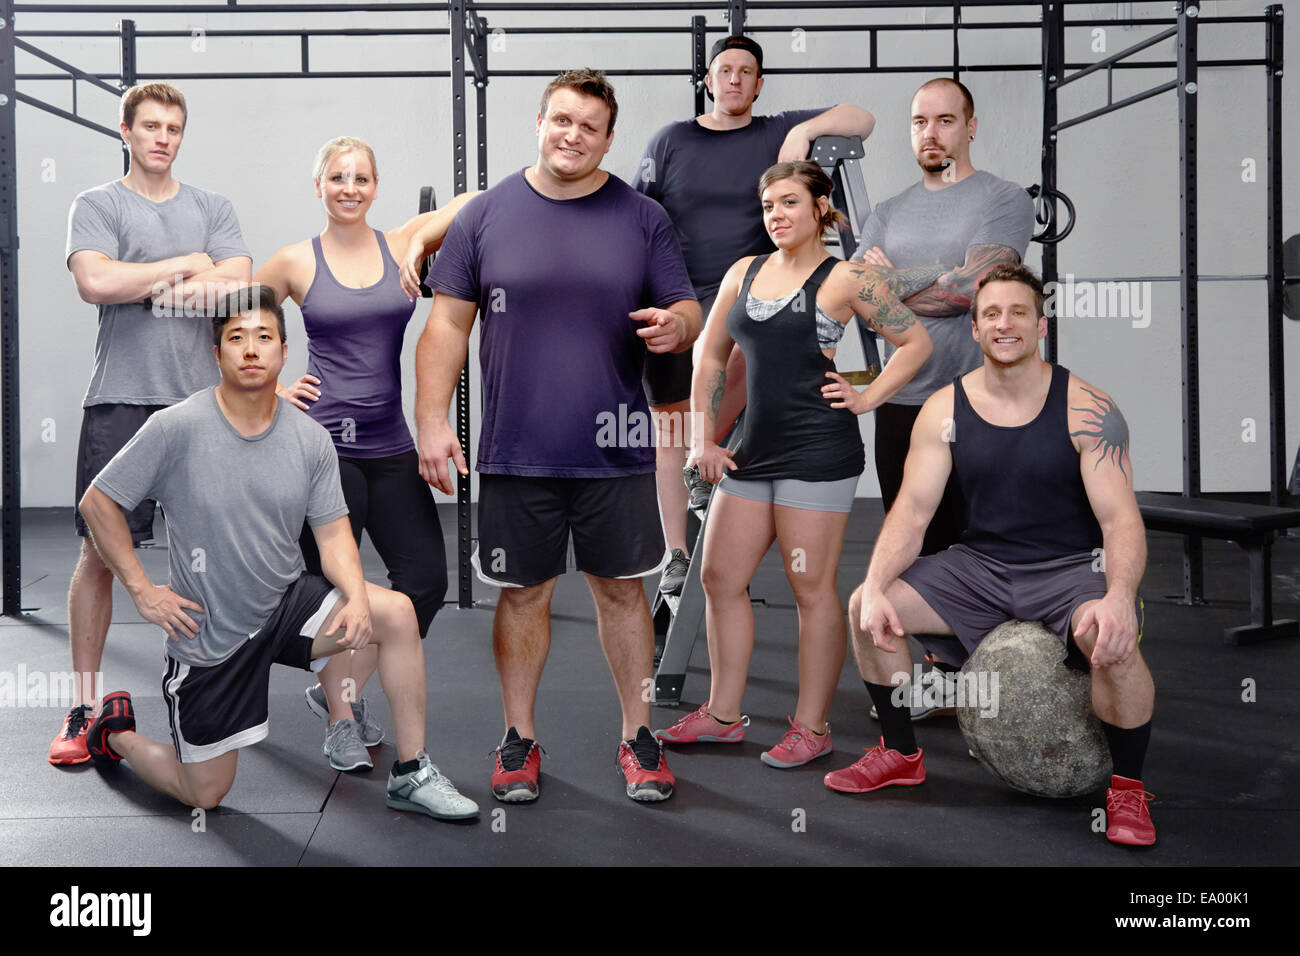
<point x="254" y="141"/>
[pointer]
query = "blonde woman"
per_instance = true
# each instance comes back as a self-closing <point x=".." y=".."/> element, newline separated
<point x="356" y="302"/>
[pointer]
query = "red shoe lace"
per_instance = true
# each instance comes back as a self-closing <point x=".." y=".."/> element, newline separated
<point x="1129" y="801"/>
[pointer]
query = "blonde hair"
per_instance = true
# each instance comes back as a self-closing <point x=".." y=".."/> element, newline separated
<point x="163" y="93"/>
<point x="342" y="144"/>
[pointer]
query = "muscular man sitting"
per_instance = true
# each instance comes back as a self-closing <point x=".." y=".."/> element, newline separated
<point x="1042" y="460"/>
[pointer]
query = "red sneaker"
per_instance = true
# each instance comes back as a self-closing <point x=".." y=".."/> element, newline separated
<point x="644" y="768"/>
<point x="881" y="767"/>
<point x="519" y="762"/>
<point x="69" y="747"/>
<point x="116" y="714"/>
<point x="1127" y="818"/>
<point x="701" y="727"/>
<point x="798" y="747"/>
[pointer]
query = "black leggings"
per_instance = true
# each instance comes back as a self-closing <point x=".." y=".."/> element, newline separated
<point x="388" y="498"/>
<point x="893" y="436"/>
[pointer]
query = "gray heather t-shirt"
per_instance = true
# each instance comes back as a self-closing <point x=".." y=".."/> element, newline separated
<point x="140" y="358"/>
<point x="919" y="227"/>
<point x="235" y="507"/>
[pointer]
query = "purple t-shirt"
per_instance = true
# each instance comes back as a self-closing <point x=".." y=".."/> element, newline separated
<point x="561" y="361"/>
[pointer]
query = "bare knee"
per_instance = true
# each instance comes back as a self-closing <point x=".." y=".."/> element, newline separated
<point x="624" y="594"/>
<point x="208" y="798"/>
<point x="719" y="581"/>
<point x="810" y="593"/>
<point x="392" y="611"/>
<point x="89" y="563"/>
<point x="523" y="600"/>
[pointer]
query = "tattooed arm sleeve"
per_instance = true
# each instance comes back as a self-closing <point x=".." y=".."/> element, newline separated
<point x="879" y="292"/>
<point x="952" y="289"/>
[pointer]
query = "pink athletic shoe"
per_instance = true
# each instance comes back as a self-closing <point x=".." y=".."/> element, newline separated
<point x="798" y="747"/>
<point x="700" y="728"/>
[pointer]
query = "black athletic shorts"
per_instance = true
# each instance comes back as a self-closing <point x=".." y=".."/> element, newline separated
<point x="213" y="710"/>
<point x="667" y="376"/>
<point x="105" y="430"/>
<point x="524" y="526"/>
<point x="974" y="593"/>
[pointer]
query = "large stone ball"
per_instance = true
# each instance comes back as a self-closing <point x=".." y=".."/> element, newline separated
<point x="1028" y="718"/>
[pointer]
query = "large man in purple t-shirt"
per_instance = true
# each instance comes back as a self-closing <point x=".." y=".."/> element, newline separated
<point x="576" y="276"/>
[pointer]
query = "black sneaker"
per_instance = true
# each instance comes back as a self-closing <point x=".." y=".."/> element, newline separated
<point x="519" y="762"/>
<point x="116" y="715"/>
<point x="699" y="488"/>
<point x="674" y="577"/>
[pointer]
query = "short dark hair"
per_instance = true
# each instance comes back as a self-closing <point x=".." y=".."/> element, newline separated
<point x="813" y="178"/>
<point x="588" y="82"/>
<point x="1010" y="272"/>
<point x="251" y="298"/>
<point x="967" y="99"/>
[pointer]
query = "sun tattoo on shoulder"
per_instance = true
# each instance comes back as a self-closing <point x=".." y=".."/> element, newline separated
<point x="1108" y="427"/>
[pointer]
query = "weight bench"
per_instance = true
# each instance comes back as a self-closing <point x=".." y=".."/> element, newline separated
<point x="1253" y="527"/>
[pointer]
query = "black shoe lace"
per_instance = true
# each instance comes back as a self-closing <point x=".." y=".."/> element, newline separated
<point x="77" y="721"/>
<point x="647" y="752"/>
<point x="514" y="753"/>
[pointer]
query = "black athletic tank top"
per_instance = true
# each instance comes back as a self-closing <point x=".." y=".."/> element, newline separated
<point x="789" y="430"/>
<point x="1022" y="487"/>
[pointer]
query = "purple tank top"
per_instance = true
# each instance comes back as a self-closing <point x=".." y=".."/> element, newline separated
<point x="354" y="346"/>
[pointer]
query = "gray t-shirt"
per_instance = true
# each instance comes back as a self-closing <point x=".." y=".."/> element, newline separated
<point x="235" y="506"/>
<point x="140" y="358"/>
<point x="920" y="227"/>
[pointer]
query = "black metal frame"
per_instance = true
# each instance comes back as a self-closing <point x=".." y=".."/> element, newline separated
<point x="468" y="33"/>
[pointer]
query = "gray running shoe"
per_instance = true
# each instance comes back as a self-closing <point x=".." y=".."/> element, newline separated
<point x="674" y="577"/>
<point x="371" y="732"/>
<point x="343" y="747"/>
<point x="934" y="696"/>
<point x="426" y="790"/>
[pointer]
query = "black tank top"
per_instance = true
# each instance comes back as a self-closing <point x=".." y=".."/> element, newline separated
<point x="1024" y="494"/>
<point x="789" y="430"/>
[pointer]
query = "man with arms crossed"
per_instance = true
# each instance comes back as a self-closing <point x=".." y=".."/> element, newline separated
<point x="945" y="233"/>
<point x="568" y="315"/>
<point x="129" y="242"/>
<point x="1042" y="460"/>
<point x="237" y="470"/>
<point x="704" y="172"/>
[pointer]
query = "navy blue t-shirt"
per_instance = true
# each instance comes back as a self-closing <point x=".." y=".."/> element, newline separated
<point x="561" y="361"/>
<point x="707" y="181"/>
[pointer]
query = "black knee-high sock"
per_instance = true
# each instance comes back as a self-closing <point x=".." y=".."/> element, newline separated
<point x="1128" y="748"/>
<point x="895" y="720"/>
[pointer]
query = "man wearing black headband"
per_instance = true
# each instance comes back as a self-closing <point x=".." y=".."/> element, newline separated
<point x="704" y="172"/>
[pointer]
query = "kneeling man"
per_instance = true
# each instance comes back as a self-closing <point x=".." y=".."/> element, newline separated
<point x="1042" y="461"/>
<point x="237" y="470"/>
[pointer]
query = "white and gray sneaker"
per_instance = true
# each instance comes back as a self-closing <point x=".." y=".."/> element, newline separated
<point x="934" y="696"/>
<point x="343" y="747"/>
<point x="426" y="790"/>
<point x="371" y="732"/>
